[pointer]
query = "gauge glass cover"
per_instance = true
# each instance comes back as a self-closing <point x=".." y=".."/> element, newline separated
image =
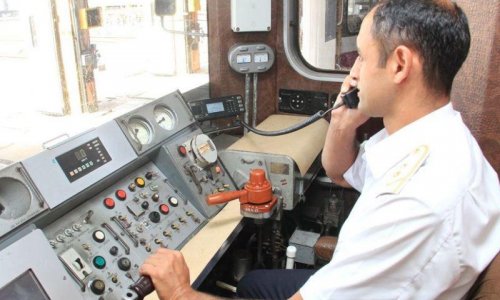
<point x="164" y="117"/>
<point x="140" y="130"/>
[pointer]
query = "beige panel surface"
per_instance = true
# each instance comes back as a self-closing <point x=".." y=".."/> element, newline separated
<point x="205" y="244"/>
<point x="303" y="146"/>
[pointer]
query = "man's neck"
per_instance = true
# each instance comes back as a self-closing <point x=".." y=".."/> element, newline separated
<point x="413" y="106"/>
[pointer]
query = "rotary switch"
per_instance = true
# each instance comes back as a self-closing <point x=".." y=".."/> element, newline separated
<point x="113" y="251"/>
<point x="154" y="216"/>
<point x="124" y="264"/>
<point x="97" y="287"/>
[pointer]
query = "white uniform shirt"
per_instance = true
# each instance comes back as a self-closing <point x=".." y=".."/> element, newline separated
<point x="424" y="226"/>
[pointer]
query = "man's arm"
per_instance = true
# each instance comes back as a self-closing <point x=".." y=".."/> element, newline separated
<point x="341" y="148"/>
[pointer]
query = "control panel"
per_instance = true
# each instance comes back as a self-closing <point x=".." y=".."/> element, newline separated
<point x="95" y="206"/>
<point x="302" y="102"/>
<point x="215" y="108"/>
<point x="194" y="159"/>
<point x="103" y="241"/>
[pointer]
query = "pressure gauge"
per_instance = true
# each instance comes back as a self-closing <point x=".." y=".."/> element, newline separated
<point x="204" y="150"/>
<point x="164" y="117"/>
<point x="140" y="130"/>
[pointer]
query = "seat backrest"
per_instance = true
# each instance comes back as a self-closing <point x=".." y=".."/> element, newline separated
<point x="487" y="285"/>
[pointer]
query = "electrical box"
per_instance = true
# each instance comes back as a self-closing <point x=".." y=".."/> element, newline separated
<point x="302" y="102"/>
<point x="250" y="58"/>
<point x="304" y="242"/>
<point x="250" y="15"/>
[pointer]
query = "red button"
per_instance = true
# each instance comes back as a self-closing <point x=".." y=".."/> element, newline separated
<point x="182" y="150"/>
<point x="164" y="209"/>
<point x="109" y="203"/>
<point x="217" y="169"/>
<point x="121" y="194"/>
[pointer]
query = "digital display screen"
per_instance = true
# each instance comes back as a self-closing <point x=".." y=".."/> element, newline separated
<point x="215" y="107"/>
<point x="83" y="159"/>
<point x="26" y="286"/>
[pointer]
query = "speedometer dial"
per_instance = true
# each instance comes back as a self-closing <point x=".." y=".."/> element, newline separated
<point x="140" y="130"/>
<point x="164" y="117"/>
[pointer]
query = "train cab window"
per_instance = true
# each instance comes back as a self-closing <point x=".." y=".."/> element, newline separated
<point x="68" y="66"/>
<point x="326" y="34"/>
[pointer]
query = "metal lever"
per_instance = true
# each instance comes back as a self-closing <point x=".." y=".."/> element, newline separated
<point x="143" y="286"/>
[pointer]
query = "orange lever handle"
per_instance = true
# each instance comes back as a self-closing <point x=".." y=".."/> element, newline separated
<point x="224" y="197"/>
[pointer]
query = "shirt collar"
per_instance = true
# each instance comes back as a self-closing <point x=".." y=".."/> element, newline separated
<point x="383" y="151"/>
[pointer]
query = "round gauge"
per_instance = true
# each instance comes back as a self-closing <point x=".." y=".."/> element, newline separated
<point x="164" y="117"/>
<point x="140" y="130"/>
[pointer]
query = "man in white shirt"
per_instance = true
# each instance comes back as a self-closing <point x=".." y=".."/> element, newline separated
<point x="427" y="220"/>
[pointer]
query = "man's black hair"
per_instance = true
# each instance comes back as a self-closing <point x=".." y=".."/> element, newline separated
<point x="437" y="30"/>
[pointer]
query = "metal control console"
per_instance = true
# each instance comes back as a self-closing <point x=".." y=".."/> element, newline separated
<point x="81" y="217"/>
<point x="215" y="108"/>
<point x="103" y="242"/>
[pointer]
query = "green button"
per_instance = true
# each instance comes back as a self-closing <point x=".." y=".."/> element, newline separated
<point x="99" y="262"/>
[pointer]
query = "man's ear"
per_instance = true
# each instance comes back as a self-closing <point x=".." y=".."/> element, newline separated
<point x="401" y="63"/>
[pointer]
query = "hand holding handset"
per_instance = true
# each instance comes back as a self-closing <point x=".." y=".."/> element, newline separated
<point x="350" y="98"/>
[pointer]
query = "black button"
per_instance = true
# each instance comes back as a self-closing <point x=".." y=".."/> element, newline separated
<point x="124" y="264"/>
<point x="145" y="204"/>
<point x="98" y="287"/>
<point x="113" y="251"/>
<point x="154" y="217"/>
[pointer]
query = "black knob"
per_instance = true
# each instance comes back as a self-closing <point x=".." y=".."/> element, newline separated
<point x="149" y="175"/>
<point x="98" y="287"/>
<point x="113" y="251"/>
<point x="143" y="286"/>
<point x="154" y="217"/>
<point x="155" y="197"/>
<point x="145" y="204"/>
<point x="124" y="264"/>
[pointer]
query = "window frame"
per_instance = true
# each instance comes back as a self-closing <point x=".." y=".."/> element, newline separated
<point x="292" y="49"/>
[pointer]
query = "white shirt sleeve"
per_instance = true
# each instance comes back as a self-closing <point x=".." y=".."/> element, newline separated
<point x="355" y="175"/>
<point x="383" y="253"/>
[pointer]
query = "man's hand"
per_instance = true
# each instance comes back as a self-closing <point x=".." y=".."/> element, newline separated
<point x="169" y="273"/>
<point x="344" y="117"/>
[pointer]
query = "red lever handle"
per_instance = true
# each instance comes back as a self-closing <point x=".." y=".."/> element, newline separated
<point x="224" y="197"/>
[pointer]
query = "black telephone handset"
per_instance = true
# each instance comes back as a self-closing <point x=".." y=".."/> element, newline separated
<point x="350" y="98"/>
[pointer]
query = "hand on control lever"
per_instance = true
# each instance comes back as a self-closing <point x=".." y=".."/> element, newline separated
<point x="169" y="273"/>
